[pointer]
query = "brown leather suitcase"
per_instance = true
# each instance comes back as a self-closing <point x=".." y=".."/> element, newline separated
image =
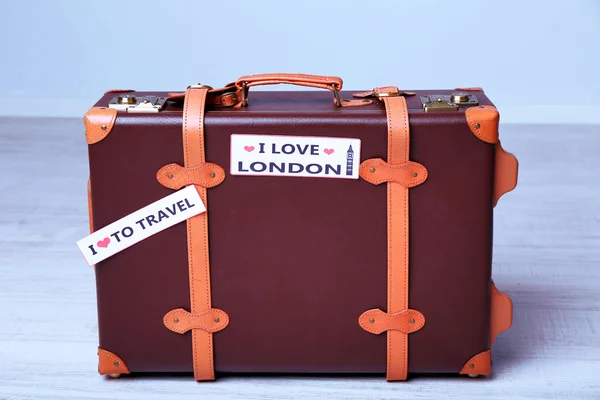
<point x="377" y="264"/>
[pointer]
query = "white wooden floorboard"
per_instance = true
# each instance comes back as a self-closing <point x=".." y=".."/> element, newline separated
<point x="547" y="253"/>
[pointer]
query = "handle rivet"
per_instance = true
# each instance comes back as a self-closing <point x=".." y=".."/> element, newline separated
<point x="372" y="320"/>
<point x="104" y="127"/>
<point x="217" y="320"/>
<point x="170" y="176"/>
<point x="415" y="174"/>
<point x="212" y="174"/>
<point x="472" y="366"/>
<point x="176" y="320"/>
<point x="371" y="169"/>
<point x="412" y="320"/>
<point x="116" y="364"/>
<point x="477" y="126"/>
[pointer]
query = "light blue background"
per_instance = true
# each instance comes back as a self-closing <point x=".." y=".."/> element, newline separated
<point x="537" y="60"/>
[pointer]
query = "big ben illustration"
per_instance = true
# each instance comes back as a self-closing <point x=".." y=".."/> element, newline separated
<point x="349" y="161"/>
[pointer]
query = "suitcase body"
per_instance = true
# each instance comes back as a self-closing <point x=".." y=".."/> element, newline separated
<point x="294" y="261"/>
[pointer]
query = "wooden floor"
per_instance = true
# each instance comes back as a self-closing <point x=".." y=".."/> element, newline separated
<point x="547" y="258"/>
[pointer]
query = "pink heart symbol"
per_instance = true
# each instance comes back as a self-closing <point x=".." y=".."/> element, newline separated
<point x="249" y="148"/>
<point x="328" y="151"/>
<point x="104" y="242"/>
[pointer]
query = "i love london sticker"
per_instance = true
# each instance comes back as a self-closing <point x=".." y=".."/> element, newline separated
<point x="306" y="156"/>
<point x="141" y="224"/>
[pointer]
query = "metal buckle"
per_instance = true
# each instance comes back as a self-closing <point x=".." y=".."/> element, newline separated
<point x="388" y="94"/>
<point x="200" y="86"/>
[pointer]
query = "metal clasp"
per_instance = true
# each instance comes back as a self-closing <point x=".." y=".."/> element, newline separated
<point x="244" y="94"/>
<point x="444" y="102"/>
<point x="336" y="94"/>
<point x="137" y="104"/>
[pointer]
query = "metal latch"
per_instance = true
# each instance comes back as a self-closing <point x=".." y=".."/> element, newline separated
<point x="444" y="102"/>
<point x="133" y="104"/>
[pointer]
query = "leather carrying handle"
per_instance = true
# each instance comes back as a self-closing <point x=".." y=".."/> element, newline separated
<point x="332" y="83"/>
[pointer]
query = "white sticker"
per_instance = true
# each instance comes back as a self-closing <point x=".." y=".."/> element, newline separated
<point x="307" y="156"/>
<point x="141" y="224"/>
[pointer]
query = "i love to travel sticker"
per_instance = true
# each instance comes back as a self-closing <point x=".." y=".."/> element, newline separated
<point x="306" y="156"/>
<point x="141" y="224"/>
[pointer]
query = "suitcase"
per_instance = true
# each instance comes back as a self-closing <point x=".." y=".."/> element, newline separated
<point x="374" y="260"/>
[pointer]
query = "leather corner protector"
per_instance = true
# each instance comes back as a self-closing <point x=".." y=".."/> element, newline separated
<point x="481" y="364"/>
<point x="174" y="176"/>
<point x="501" y="314"/>
<point x="483" y="122"/>
<point x="211" y="320"/>
<point x="470" y="89"/>
<point x="119" y="91"/>
<point x="376" y="321"/>
<point x="99" y="121"/>
<point x="506" y="172"/>
<point x="377" y="171"/>
<point x="110" y="363"/>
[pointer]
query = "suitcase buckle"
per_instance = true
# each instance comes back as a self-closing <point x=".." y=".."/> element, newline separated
<point x="200" y="86"/>
<point x="388" y="94"/>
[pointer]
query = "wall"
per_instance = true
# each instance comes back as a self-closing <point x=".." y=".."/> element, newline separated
<point x="538" y="60"/>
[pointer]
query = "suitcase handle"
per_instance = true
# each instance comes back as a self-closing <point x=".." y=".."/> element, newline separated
<point x="332" y="83"/>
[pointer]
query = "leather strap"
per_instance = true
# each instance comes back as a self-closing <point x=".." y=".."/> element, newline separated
<point x="197" y="233"/>
<point x="397" y="208"/>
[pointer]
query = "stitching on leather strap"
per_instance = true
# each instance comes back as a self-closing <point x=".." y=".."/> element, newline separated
<point x="197" y="229"/>
<point x="398" y="153"/>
